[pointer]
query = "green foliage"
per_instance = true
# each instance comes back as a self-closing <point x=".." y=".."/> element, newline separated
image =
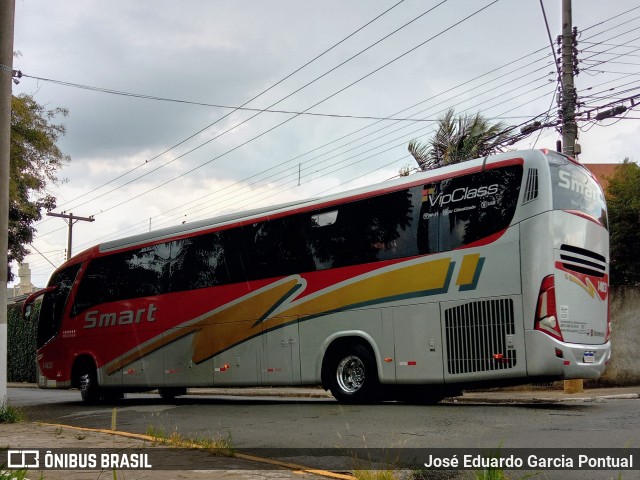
<point x="35" y="159"/>
<point x="457" y="139"/>
<point x="13" y="475"/>
<point x="21" y="344"/>
<point x="623" y="201"/>
<point x="10" y="414"/>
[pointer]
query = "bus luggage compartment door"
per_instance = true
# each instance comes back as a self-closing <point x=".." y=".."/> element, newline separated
<point x="281" y="365"/>
<point x="418" y="345"/>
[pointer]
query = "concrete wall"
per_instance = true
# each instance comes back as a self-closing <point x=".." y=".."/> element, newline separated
<point x="624" y="367"/>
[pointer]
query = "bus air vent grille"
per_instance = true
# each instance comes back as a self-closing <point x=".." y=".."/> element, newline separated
<point x="478" y="336"/>
<point x="583" y="261"/>
<point x="531" y="188"/>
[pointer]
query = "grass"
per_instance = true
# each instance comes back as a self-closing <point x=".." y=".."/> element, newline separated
<point x="219" y="446"/>
<point x="11" y="414"/>
<point x="13" y="475"/>
<point x="375" y="475"/>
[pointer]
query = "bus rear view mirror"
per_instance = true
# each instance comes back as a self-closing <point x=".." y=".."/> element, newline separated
<point x="28" y="303"/>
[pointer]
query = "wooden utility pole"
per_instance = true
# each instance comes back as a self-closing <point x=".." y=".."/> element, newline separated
<point x="568" y="90"/>
<point x="7" y="13"/>
<point x="70" y="218"/>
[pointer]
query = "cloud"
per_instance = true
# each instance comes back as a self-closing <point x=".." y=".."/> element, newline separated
<point x="228" y="52"/>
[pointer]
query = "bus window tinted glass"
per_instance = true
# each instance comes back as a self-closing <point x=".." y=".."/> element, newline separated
<point x="277" y="248"/>
<point x="135" y="273"/>
<point x="198" y="262"/>
<point x="575" y="189"/>
<point x="53" y="304"/>
<point x="376" y="228"/>
<point x="462" y="210"/>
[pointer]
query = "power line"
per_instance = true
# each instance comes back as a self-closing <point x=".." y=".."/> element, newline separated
<point x="610" y="18"/>
<point x="503" y="77"/>
<point x="282" y="99"/>
<point x="446" y="91"/>
<point x="229" y="107"/>
<point x="307" y="109"/>
<point x="245" y="103"/>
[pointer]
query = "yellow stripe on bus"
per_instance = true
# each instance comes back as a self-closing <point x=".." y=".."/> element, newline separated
<point x="241" y="319"/>
<point x="468" y="269"/>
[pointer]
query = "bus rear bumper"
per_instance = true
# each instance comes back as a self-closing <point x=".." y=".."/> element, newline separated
<point x="547" y="356"/>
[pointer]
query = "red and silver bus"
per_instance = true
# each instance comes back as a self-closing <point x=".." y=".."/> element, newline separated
<point x="493" y="271"/>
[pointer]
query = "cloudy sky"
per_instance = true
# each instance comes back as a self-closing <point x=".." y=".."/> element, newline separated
<point x="146" y="83"/>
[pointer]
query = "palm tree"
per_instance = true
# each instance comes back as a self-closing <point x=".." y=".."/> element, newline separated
<point x="457" y="139"/>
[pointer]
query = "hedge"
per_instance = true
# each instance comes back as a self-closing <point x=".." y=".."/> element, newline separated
<point x="21" y="345"/>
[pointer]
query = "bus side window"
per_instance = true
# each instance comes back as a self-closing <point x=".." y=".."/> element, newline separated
<point x="277" y="248"/>
<point x="363" y="231"/>
<point x="429" y="221"/>
<point x="462" y="210"/>
<point x="132" y="274"/>
<point x="198" y="262"/>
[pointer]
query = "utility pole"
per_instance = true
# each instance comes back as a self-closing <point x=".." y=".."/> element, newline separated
<point x="567" y="102"/>
<point x="7" y="13"/>
<point x="70" y="218"/>
<point x="568" y="98"/>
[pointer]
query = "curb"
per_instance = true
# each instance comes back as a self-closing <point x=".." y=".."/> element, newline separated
<point x="147" y="438"/>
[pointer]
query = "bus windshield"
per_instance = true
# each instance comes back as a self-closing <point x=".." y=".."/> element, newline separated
<point x="53" y="304"/>
<point x="574" y="189"/>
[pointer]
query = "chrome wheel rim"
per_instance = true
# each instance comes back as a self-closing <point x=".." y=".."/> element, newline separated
<point x="85" y="383"/>
<point x="350" y="374"/>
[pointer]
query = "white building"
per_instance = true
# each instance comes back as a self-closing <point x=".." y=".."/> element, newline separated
<point x="25" y="287"/>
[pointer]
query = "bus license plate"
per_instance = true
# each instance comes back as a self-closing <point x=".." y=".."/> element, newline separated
<point x="589" y="357"/>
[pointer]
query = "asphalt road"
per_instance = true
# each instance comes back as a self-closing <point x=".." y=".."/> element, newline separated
<point x="323" y="423"/>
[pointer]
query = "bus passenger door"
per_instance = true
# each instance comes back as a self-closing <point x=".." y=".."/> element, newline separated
<point x="281" y="364"/>
<point x="418" y="344"/>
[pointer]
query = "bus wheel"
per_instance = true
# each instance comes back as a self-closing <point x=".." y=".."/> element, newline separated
<point x="352" y="375"/>
<point x="418" y="395"/>
<point x="169" y="393"/>
<point x="89" y="389"/>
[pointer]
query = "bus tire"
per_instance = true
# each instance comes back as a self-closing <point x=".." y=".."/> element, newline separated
<point x="352" y="375"/>
<point x="170" y="393"/>
<point x="89" y="389"/>
<point x="419" y="394"/>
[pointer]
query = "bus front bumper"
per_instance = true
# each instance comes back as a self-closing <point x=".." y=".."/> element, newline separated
<point x="44" y="382"/>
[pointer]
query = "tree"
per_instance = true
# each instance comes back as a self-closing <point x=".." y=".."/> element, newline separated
<point x="35" y="159"/>
<point x="457" y="139"/>
<point x="623" y="202"/>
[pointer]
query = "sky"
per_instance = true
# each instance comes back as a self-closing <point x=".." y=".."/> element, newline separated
<point x="155" y="137"/>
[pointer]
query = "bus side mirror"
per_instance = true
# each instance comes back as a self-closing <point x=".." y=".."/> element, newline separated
<point x="28" y="303"/>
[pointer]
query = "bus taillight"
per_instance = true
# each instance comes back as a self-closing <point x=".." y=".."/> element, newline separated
<point x="546" y="315"/>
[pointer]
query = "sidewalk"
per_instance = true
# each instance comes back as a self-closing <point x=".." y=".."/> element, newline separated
<point x="87" y="441"/>
<point x="239" y="467"/>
